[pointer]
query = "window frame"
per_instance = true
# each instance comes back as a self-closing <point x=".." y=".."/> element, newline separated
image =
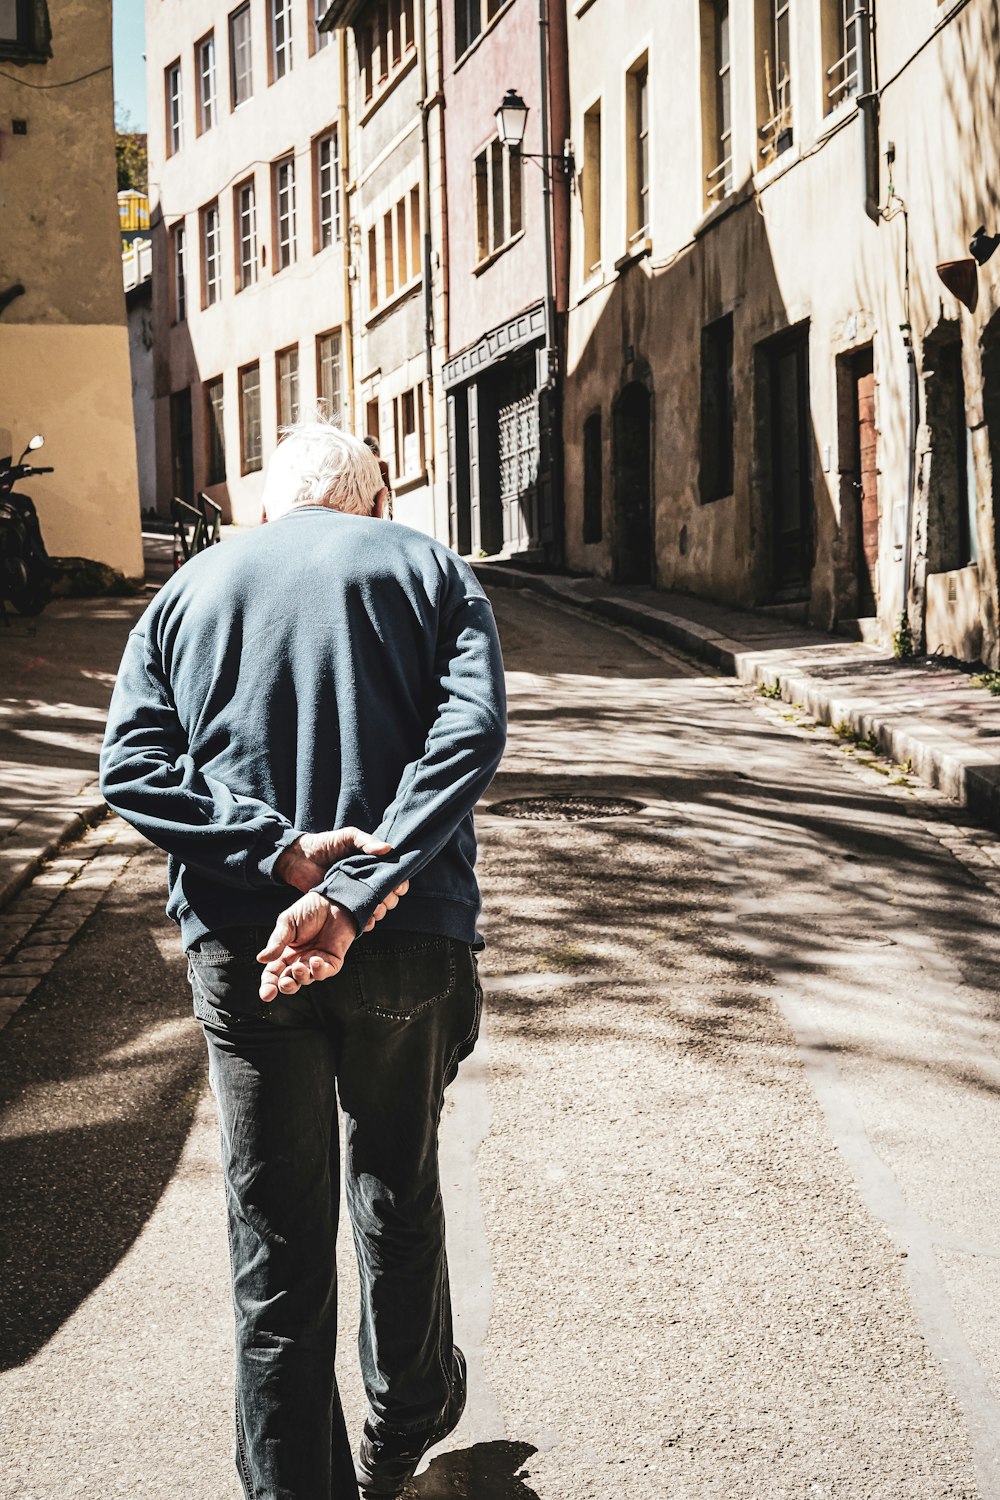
<point x="414" y="397"/>
<point x="241" y="238"/>
<point x="392" y="18"/>
<point x="210" y="242"/>
<point x="32" y="42"/>
<point x="717" y="409"/>
<point x="250" y="462"/>
<point x="173" y="87"/>
<point x="179" y="277"/>
<point x="245" y="47"/>
<point x="282" y="164"/>
<point x="494" y="161"/>
<point x="327" y="338"/>
<point x="638" y="172"/>
<point x="593" y="479"/>
<point x="591" y="205"/>
<point x="215" y="430"/>
<point x="320" y="39"/>
<point x="280" y="56"/>
<point x="207" y="100"/>
<point x="331" y="138"/>
<point x="289" y="377"/>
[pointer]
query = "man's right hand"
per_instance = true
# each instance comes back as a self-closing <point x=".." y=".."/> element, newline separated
<point x="310" y="942"/>
<point x="304" y="863"/>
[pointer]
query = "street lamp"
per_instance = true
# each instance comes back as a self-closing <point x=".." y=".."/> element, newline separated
<point x="511" y="118"/>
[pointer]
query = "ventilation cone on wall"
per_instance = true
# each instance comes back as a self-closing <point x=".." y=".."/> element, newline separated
<point x="961" y="277"/>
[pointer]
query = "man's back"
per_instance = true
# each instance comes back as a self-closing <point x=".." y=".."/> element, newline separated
<point x="325" y="670"/>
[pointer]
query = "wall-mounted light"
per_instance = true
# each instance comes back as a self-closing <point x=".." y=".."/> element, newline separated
<point x="511" y="118"/>
<point x="982" y="245"/>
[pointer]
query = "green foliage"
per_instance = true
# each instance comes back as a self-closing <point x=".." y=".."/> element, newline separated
<point x="902" y="639"/>
<point x="130" y="153"/>
<point x="988" y="680"/>
<point x="770" y="689"/>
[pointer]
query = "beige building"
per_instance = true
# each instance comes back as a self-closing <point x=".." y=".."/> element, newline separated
<point x="246" y="127"/>
<point x="771" y="396"/>
<point x="394" y="208"/>
<point x="63" y="338"/>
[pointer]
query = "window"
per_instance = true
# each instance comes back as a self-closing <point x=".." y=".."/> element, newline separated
<point x="593" y="480"/>
<point x="240" y="57"/>
<point x="407" y="417"/>
<point x="498" y="197"/>
<point x="637" y="161"/>
<point x="397" y="240"/>
<point x="180" y="272"/>
<point x="216" y="467"/>
<point x="208" y="109"/>
<point x="840" y="52"/>
<point x="328" y="362"/>
<point x="717" y="409"/>
<point x="952" y="540"/>
<point x="25" y="33"/>
<point x="283" y="194"/>
<point x="326" y="175"/>
<point x="590" y="196"/>
<point x="320" y="38"/>
<point x="175" y="109"/>
<point x="471" y="19"/>
<point x="717" y="112"/>
<point x="372" y="268"/>
<point x="251" y="447"/>
<point x="245" y="195"/>
<point x="775" y="81"/>
<point x="211" y="255"/>
<point x="287" y="381"/>
<point x="372" y="420"/>
<point x="280" y="12"/>
<point x="386" y="43"/>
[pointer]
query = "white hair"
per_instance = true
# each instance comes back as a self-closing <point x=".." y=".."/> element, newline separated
<point x="318" y="463"/>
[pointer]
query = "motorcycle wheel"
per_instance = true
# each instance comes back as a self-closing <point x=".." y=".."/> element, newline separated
<point x="32" y="598"/>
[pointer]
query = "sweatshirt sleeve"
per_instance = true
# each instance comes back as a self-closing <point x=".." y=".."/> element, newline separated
<point x="148" y="776"/>
<point x="463" y="749"/>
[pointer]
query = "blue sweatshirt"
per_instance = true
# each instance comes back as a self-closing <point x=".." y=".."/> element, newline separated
<point x="324" y="670"/>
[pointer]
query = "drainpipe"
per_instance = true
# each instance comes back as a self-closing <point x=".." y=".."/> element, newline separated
<point x="345" y="229"/>
<point x="912" y="420"/>
<point x="425" y="146"/>
<point x="550" y="295"/>
<point x="868" y="106"/>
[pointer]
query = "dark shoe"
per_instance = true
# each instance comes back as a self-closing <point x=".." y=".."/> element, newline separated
<point x="385" y="1463"/>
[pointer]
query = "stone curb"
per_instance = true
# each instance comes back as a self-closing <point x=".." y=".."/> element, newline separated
<point x="965" y="773"/>
<point x="14" y="876"/>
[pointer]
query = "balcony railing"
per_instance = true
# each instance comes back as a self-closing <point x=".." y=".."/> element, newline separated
<point x="720" y="180"/>
<point x="843" y="77"/>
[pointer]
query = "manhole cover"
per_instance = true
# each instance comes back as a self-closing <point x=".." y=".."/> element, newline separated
<point x="569" y="808"/>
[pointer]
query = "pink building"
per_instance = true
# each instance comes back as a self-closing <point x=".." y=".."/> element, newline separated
<point x="506" y="277"/>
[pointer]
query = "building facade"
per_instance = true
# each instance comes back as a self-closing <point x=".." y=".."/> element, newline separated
<point x="63" y="337"/>
<point x="506" y="272"/>
<point x="250" y="256"/>
<point x="771" y="396"/>
<point x="394" y="206"/>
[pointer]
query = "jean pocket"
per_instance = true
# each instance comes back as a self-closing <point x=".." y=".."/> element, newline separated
<point x="399" y="983"/>
<point x="224" y="988"/>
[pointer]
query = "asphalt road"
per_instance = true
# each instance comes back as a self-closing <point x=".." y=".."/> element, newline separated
<point x="721" y="1177"/>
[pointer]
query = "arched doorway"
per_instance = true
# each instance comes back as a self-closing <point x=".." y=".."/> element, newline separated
<point x="633" y="562"/>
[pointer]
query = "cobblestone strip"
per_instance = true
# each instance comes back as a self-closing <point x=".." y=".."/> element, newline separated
<point x="38" y="926"/>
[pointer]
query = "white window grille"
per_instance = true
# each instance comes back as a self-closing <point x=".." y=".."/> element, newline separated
<point x="211" y="253"/>
<point x="180" y="274"/>
<point x="281" y="38"/>
<point x="498" y="197"/>
<point x="327" y="189"/>
<point x="246" y="220"/>
<point x="208" y="107"/>
<point x="288" y="386"/>
<point x="328" y="367"/>
<point x="175" y="109"/>
<point x="720" y="178"/>
<point x="240" y="56"/>
<point x="284" y="197"/>
<point x="842" y="76"/>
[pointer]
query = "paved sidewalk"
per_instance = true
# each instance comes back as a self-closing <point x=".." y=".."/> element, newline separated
<point x="926" y="713"/>
<point x="57" y="672"/>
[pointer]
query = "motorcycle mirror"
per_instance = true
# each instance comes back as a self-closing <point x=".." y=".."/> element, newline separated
<point x="36" y="442"/>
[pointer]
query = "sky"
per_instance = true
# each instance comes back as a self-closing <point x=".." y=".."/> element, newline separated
<point x="130" y="65"/>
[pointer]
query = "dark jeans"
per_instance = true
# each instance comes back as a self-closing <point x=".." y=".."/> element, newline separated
<point x="387" y="1033"/>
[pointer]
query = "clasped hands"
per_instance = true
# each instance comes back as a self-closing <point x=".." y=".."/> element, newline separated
<point x="311" y="938"/>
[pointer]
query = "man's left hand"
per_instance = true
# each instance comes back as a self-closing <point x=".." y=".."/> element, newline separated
<point x="305" y="862"/>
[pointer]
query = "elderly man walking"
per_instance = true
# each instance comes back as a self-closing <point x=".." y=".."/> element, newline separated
<point x="327" y="673"/>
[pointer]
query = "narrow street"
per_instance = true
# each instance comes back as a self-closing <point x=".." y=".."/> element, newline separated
<point x="721" y="1175"/>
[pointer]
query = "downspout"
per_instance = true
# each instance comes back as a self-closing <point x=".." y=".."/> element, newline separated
<point x="345" y="221"/>
<point x="551" y="372"/>
<point x="425" y="147"/>
<point x="868" y="106"/>
<point x="912" y="422"/>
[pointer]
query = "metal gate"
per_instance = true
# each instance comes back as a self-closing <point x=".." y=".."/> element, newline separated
<point x="517" y="422"/>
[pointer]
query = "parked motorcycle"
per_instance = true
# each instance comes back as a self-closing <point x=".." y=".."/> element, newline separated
<point x="26" y="572"/>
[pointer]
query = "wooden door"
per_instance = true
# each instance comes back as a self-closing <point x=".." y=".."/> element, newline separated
<point x="791" y="468"/>
<point x="867" y="486"/>
<point x="633" y="497"/>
